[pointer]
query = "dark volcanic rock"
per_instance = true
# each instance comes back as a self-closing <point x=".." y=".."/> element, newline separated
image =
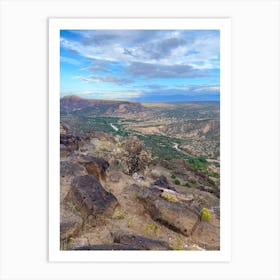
<point x="69" y="142"/>
<point x="91" y="199"/>
<point x="139" y="242"/>
<point x="95" y="166"/>
<point x="206" y="189"/>
<point x="177" y="216"/>
<point x="68" y="168"/>
<point x="109" y="247"/>
<point x="70" y="224"/>
<point x="162" y="182"/>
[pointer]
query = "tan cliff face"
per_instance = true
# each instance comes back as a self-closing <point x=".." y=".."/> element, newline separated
<point x="74" y="103"/>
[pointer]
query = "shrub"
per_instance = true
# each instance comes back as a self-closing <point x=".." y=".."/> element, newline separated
<point x="173" y="176"/>
<point x="193" y="180"/>
<point x="197" y="163"/>
<point x="211" y="183"/>
<point x="134" y="195"/>
<point x="205" y="215"/>
<point x="177" y="182"/>
<point x="169" y="197"/>
<point x="179" y="245"/>
<point x="202" y="159"/>
<point x="188" y="185"/>
<point x="118" y="215"/>
<point x="152" y="229"/>
<point x="135" y="157"/>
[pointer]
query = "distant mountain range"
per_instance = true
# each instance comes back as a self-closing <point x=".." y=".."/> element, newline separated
<point x="179" y="98"/>
<point x="72" y="103"/>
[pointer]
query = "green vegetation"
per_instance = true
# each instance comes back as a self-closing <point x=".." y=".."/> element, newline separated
<point x="152" y="229"/>
<point x="177" y="182"/>
<point x="162" y="146"/>
<point x="211" y="183"/>
<point x="169" y="197"/>
<point x="83" y="122"/>
<point x="179" y="244"/>
<point x="198" y="163"/>
<point x="159" y="146"/>
<point x="205" y="215"/>
<point x="201" y="164"/>
<point x="118" y="215"/>
<point x="213" y="174"/>
<point x="193" y="180"/>
<point x="192" y="110"/>
<point x="134" y="195"/>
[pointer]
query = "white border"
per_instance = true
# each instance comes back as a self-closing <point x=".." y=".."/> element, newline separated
<point x="55" y="254"/>
<point x="255" y="127"/>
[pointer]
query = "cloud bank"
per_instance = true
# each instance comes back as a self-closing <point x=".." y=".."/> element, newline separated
<point x="140" y="60"/>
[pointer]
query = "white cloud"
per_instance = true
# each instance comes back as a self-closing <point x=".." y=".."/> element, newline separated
<point x="103" y="94"/>
<point x="70" y="60"/>
<point x="156" y="47"/>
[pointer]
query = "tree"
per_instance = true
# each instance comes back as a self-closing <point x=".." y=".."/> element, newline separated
<point x="135" y="157"/>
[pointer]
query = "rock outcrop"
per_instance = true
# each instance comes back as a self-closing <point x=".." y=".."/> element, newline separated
<point x="95" y="166"/>
<point x="162" y="182"/>
<point x="70" y="224"/>
<point x="69" y="142"/>
<point x="139" y="242"/>
<point x="175" y="215"/>
<point x="91" y="199"/>
<point x="68" y="168"/>
<point x="207" y="235"/>
<point x="128" y="241"/>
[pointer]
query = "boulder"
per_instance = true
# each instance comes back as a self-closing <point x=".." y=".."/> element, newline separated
<point x="207" y="235"/>
<point x="91" y="199"/>
<point x="162" y="182"/>
<point x="177" y="216"/>
<point x="95" y="166"/>
<point x="70" y="141"/>
<point x="139" y="242"/>
<point x="68" y="168"/>
<point x="206" y="189"/>
<point x="70" y="223"/>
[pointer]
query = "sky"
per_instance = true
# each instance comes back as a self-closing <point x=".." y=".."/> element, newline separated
<point x="141" y="65"/>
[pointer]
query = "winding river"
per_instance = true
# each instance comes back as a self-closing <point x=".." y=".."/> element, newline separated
<point x="114" y="127"/>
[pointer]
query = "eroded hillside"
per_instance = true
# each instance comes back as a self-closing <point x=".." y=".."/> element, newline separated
<point x="172" y="203"/>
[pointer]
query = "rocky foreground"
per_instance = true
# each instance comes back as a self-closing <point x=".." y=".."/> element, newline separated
<point x="103" y="208"/>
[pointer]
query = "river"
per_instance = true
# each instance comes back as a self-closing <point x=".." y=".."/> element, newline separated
<point x="175" y="146"/>
<point x="114" y="127"/>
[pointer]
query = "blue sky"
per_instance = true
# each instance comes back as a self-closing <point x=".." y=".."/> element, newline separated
<point x="140" y="65"/>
